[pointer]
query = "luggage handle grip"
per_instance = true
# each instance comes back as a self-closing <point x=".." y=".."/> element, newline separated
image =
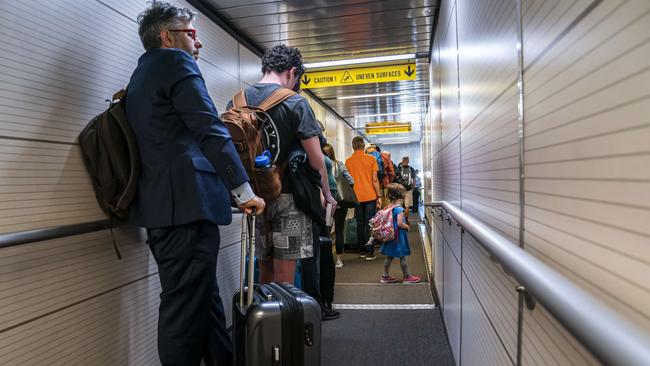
<point x="248" y="245"/>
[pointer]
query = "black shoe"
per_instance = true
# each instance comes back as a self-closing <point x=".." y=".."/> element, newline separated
<point x="329" y="314"/>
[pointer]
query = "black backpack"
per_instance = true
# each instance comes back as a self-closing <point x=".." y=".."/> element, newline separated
<point x="110" y="153"/>
<point x="404" y="177"/>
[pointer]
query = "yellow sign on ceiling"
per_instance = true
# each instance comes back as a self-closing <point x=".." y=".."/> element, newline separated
<point x="364" y="75"/>
<point x="384" y="128"/>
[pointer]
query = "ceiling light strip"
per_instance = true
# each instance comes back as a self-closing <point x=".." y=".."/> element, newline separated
<point x="356" y="61"/>
<point x="384" y="306"/>
<point x="370" y="95"/>
<point x="385" y="114"/>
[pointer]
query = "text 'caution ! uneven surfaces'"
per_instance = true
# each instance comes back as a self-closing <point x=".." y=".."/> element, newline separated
<point x="386" y="128"/>
<point x="364" y="75"/>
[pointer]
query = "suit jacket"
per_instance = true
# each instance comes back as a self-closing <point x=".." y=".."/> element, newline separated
<point x="189" y="164"/>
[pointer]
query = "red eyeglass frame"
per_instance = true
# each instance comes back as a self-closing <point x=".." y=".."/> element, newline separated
<point x="193" y="31"/>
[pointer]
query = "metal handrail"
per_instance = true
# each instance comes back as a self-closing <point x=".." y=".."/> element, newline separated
<point x="613" y="339"/>
<point x="31" y="236"/>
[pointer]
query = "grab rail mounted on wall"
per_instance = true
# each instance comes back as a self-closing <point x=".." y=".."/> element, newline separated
<point x="611" y="338"/>
<point x="32" y="236"/>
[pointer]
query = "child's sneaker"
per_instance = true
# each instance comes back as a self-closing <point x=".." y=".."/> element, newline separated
<point x="411" y="279"/>
<point x="387" y="279"/>
<point x="369" y="258"/>
<point x="339" y="263"/>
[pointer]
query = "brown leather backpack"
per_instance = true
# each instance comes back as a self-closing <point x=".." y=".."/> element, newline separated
<point x="245" y="123"/>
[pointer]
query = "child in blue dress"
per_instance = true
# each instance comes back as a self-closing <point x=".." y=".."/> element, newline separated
<point x="398" y="248"/>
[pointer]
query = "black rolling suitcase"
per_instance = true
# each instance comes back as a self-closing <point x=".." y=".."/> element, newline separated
<point x="275" y="324"/>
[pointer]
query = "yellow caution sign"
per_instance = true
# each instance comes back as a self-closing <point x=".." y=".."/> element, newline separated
<point x="364" y="75"/>
<point x="383" y="128"/>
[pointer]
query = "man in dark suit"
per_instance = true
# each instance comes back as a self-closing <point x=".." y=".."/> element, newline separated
<point x="190" y="171"/>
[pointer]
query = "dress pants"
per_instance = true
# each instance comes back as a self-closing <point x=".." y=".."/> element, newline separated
<point x="364" y="212"/>
<point x="327" y="270"/>
<point x="339" y="227"/>
<point x="416" y="200"/>
<point x="191" y="323"/>
<point x="311" y="266"/>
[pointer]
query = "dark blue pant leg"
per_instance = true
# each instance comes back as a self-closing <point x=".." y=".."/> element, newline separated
<point x="364" y="212"/>
<point x="370" y="210"/>
<point x="191" y="324"/>
<point x="339" y="226"/>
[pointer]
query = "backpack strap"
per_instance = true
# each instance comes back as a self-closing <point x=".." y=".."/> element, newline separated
<point x="239" y="100"/>
<point x="277" y="97"/>
<point x="120" y="94"/>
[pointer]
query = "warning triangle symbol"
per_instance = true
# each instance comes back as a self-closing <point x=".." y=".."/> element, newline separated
<point x="346" y="79"/>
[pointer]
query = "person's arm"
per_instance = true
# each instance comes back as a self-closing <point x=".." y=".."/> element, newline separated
<point x="317" y="162"/>
<point x="400" y="221"/>
<point x="390" y="172"/>
<point x="413" y="181"/>
<point x="195" y="107"/>
<point x="375" y="183"/>
<point x="346" y="173"/>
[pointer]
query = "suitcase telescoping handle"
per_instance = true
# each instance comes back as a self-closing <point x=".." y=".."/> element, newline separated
<point x="247" y="246"/>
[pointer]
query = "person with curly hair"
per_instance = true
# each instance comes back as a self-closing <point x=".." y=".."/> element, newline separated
<point x="287" y="233"/>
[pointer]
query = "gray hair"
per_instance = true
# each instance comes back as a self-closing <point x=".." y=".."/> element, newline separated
<point x="159" y="17"/>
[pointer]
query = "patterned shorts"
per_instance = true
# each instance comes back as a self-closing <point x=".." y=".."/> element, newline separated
<point x="283" y="231"/>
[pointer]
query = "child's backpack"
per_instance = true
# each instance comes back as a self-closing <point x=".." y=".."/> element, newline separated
<point x="382" y="225"/>
<point x="245" y="125"/>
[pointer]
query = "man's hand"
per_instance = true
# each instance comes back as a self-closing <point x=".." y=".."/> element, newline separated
<point x="254" y="203"/>
<point x="379" y="203"/>
<point x="330" y="199"/>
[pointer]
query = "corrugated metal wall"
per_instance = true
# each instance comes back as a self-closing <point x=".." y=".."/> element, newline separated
<point x="585" y="133"/>
<point x="70" y="301"/>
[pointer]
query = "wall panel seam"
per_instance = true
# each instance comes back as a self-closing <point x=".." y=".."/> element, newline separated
<point x="587" y="138"/>
<point x="592" y="71"/>
<point x="487" y="316"/>
<point x="591" y="94"/>
<point x="642" y="98"/>
<point x="564" y="32"/>
<point x="601" y="223"/>
<point x="592" y="200"/>
<point x="76" y="303"/>
<point x="611" y="297"/>
<point x="596" y="244"/>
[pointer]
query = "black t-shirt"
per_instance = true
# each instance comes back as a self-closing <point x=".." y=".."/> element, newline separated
<point x="293" y="120"/>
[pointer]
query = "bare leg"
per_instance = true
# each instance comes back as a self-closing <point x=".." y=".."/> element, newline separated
<point x="405" y="267"/>
<point x="387" y="262"/>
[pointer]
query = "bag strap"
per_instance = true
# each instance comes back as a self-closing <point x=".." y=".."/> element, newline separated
<point x="277" y="97"/>
<point x="391" y="206"/>
<point x="239" y="100"/>
<point x="120" y="94"/>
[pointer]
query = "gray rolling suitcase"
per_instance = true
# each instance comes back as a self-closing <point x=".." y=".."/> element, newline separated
<point x="275" y="324"/>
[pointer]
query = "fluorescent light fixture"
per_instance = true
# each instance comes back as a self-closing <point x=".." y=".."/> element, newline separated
<point x="370" y="95"/>
<point x="355" y="61"/>
<point x="383" y="114"/>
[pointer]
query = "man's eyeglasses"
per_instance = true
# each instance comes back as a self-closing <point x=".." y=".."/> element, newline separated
<point x="190" y="32"/>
